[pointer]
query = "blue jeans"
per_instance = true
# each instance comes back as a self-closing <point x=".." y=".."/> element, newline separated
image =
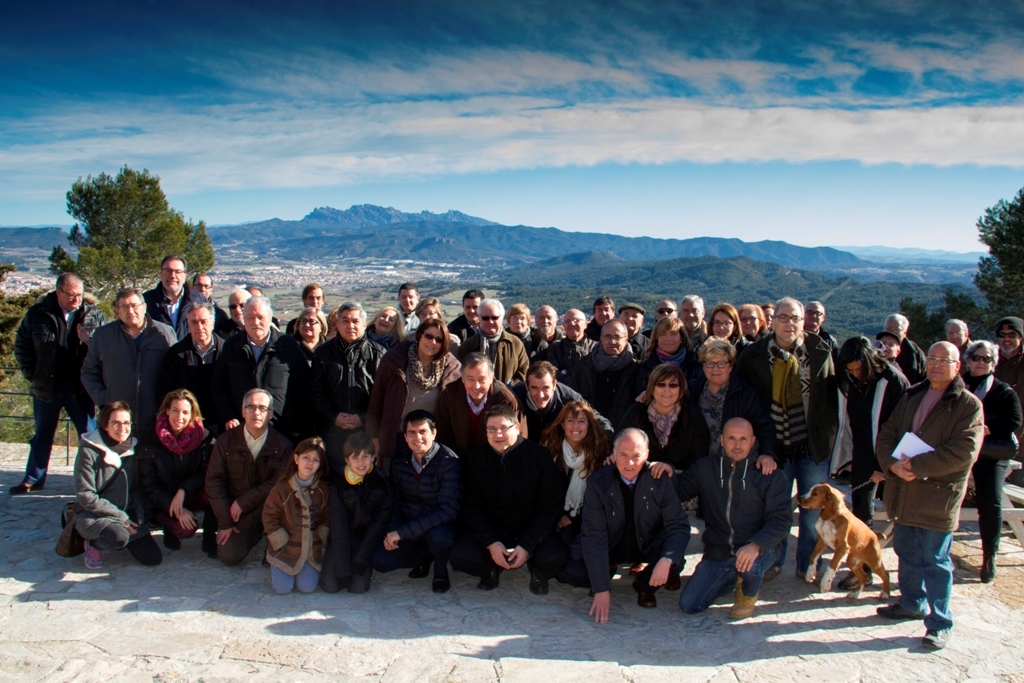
<point x="713" y="578"/>
<point x="47" y="416"/>
<point x="305" y="581"/>
<point x="926" y="573"/>
<point x="807" y="474"/>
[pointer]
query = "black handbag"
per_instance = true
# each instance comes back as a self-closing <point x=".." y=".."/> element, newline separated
<point x="70" y="543"/>
<point x="999" y="449"/>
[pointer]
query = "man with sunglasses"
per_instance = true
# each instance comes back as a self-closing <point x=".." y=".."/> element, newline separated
<point x="236" y="310"/>
<point x="50" y="346"/>
<point x="505" y="350"/>
<point x="1009" y="332"/>
<point x="664" y="309"/>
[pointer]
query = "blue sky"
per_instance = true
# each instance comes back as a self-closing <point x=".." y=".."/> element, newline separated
<point x="813" y="122"/>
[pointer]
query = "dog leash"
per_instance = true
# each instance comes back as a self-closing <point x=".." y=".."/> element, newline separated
<point x="856" y="488"/>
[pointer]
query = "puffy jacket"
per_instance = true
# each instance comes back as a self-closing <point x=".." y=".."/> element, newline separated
<point x="428" y="500"/>
<point x="657" y="516"/>
<point x="955" y="428"/>
<point x="107" y="487"/>
<point x="297" y="523"/>
<point x="36" y="343"/>
<point x="163" y="473"/>
<point x="343" y="376"/>
<point x="510" y="359"/>
<point x="282" y="370"/>
<point x="183" y="369"/>
<point x="740" y="504"/>
<point x="687" y="442"/>
<point x="537" y="421"/>
<point x="115" y="370"/>
<point x="158" y="303"/>
<point x="233" y="475"/>
<point x="514" y="497"/>
<point x="741" y="400"/>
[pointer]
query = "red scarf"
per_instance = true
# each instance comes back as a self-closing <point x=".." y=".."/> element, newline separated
<point x="187" y="441"/>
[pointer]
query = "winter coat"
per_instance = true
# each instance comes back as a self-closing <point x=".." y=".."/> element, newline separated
<point x="183" y="369"/>
<point x="658" y="518"/>
<point x="610" y="393"/>
<point x="510" y="360"/>
<point x="43" y="334"/>
<point x="429" y="499"/>
<point x="343" y="376"/>
<point x="887" y="391"/>
<point x="538" y="421"/>
<point x="688" y="441"/>
<point x="461" y="329"/>
<point x="565" y="355"/>
<point x="115" y="370"/>
<point x="163" y="472"/>
<point x="955" y="428"/>
<point x="452" y="418"/>
<point x="514" y="498"/>
<point x="1011" y="371"/>
<point x="741" y="400"/>
<point x="911" y="362"/>
<point x="740" y="504"/>
<point x="1002" y="411"/>
<point x="754" y="366"/>
<point x="282" y="370"/>
<point x="639" y="343"/>
<point x="391" y="391"/>
<point x="359" y="520"/>
<point x="297" y="522"/>
<point x="234" y="476"/>
<point x="157" y="304"/>
<point x="107" y="488"/>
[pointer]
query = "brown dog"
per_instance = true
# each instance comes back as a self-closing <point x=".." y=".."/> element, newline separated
<point x="849" y="538"/>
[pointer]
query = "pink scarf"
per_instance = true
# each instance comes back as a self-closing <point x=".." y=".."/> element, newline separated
<point x="187" y="441"/>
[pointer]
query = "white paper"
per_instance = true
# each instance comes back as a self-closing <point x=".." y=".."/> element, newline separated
<point x="911" y="445"/>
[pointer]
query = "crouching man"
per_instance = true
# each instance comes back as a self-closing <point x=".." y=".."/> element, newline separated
<point x="746" y="513"/>
<point x="628" y="516"/>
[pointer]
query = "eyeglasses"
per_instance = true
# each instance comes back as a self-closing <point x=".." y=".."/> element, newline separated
<point x="256" y="409"/>
<point x="500" y="430"/>
<point x="72" y="295"/>
<point x="309" y="321"/>
<point x="940" y="361"/>
<point x="981" y="359"/>
<point x="132" y="307"/>
<point x="816" y="314"/>
<point x="1008" y="335"/>
<point x="665" y="311"/>
<point x="434" y="338"/>
<point x="119" y="425"/>
<point x="712" y="364"/>
<point x="612" y="337"/>
<point x="172" y="271"/>
<point x="490" y="318"/>
<point x="795" y="319"/>
<point x="667" y="385"/>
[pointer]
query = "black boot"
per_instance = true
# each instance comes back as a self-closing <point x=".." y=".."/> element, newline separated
<point x="209" y="533"/>
<point x="988" y="568"/>
<point x="171" y="542"/>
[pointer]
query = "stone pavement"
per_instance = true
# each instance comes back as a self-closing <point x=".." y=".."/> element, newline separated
<point x="192" y="619"/>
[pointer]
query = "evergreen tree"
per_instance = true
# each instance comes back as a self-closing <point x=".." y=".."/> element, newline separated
<point x="1001" y="274"/>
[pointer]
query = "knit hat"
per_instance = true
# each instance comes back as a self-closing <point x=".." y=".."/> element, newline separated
<point x="1014" y="323"/>
<point x="635" y="307"/>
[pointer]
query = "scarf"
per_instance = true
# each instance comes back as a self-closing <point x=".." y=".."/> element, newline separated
<point x="788" y="403"/>
<point x="574" y="463"/>
<point x="489" y="345"/>
<point x="711" y="406"/>
<point x="979" y="386"/>
<point x="354" y="479"/>
<point x="527" y="339"/>
<point x="425" y="377"/>
<point x="186" y="442"/>
<point x="676" y="360"/>
<point x="663" y="423"/>
<point x="385" y="340"/>
<point x="605" y="363"/>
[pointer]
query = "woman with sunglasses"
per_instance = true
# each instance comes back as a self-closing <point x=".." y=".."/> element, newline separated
<point x="1002" y="419"/>
<point x="310" y="331"/>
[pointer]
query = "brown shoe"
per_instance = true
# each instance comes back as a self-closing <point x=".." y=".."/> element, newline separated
<point x="23" y="488"/>
<point x="673" y="582"/>
<point x="643" y="598"/>
<point x="744" y="606"/>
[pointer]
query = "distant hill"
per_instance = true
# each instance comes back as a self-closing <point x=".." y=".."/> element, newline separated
<point x="882" y="254"/>
<point x="33" y="238"/>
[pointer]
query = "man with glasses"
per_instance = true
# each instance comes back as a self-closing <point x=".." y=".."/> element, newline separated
<point x="125" y="359"/>
<point x="691" y="312"/>
<point x="203" y="284"/>
<point x="665" y="309"/>
<point x="1009" y="332"/>
<point x="910" y="358"/>
<point x="245" y="463"/>
<point x="566" y="353"/>
<point x="814" y="317"/>
<point x="344" y="369"/>
<point x="793" y="372"/>
<point x="505" y="350"/>
<point x="171" y="300"/>
<point x="189" y="363"/>
<point x="50" y="346"/>
<point x="605" y="377"/>
<point x="236" y="309"/>
<point x="957" y="335"/>
<point x="923" y="491"/>
<point x="511" y="501"/>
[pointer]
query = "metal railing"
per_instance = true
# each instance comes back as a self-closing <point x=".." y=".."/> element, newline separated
<point x="27" y="418"/>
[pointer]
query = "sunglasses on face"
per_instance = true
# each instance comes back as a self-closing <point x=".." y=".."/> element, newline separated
<point x="490" y="318"/>
<point x="433" y="338"/>
<point x="667" y="385"/>
<point x="666" y="311"/>
<point x="981" y="359"/>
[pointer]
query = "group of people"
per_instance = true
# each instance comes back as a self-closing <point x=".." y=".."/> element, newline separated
<point x="499" y="440"/>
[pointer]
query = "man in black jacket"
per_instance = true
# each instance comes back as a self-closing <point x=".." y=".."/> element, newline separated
<point x="605" y="378"/>
<point x="189" y="363"/>
<point x="746" y="516"/>
<point x="566" y="353"/>
<point x="203" y="283"/>
<point x="604" y="310"/>
<point x="465" y="326"/>
<point x="911" y="357"/>
<point x="263" y="358"/>
<point x="542" y="398"/>
<point x="343" y="372"/>
<point x="512" y="500"/>
<point x="50" y="346"/>
<point x="171" y="300"/>
<point x="628" y="516"/>
<point x="426" y="492"/>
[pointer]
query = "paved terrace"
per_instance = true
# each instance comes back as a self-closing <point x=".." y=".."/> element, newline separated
<point x="192" y="619"/>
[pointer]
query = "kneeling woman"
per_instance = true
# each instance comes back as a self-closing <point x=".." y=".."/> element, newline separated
<point x="360" y="510"/>
<point x="296" y="517"/>
<point x="112" y="515"/>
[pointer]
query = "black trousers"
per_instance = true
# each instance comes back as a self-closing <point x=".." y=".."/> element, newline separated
<point x="575" y="572"/>
<point x="864" y="498"/>
<point x="988" y="484"/>
<point x="437" y="544"/>
<point x="250" y="531"/>
<point x="547" y="559"/>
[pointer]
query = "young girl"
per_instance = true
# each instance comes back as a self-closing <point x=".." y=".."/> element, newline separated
<point x="360" y="511"/>
<point x="295" y="518"/>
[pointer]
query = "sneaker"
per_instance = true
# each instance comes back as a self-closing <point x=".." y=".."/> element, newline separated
<point x="93" y="557"/>
<point x="851" y="583"/>
<point x="935" y="640"/>
<point x="898" y="611"/>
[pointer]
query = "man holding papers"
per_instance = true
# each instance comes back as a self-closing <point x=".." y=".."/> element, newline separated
<point x="924" y="488"/>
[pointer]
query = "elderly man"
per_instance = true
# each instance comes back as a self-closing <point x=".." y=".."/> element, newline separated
<point x="889" y="347"/>
<point x="1009" y="333"/>
<point x="189" y="363"/>
<point x="911" y="358"/>
<point x="245" y="463"/>
<point x="957" y="335"/>
<point x="691" y="312"/>
<point x="408" y="299"/>
<point x="236" y="310"/>
<point x="426" y="494"/>
<point x="629" y="516"/>
<point x="814" y="318"/>
<point x="545" y="321"/>
<point x="746" y="515"/>
<point x="604" y="310"/>
<point x="666" y="308"/>
<point x="505" y="350"/>
<point x="542" y="398"/>
<point x="465" y="326"/>
<point x="924" y="490"/>
<point x="793" y="373"/>
<point x="50" y="346"/>
<point x="632" y="316"/>
<point x="312" y="297"/>
<point x="125" y="358"/>
<point x="566" y="353"/>
<point x="512" y="500"/>
<point x="344" y="369"/>
<point x="203" y="284"/>
<point x="461" y="405"/>
<point x="170" y="301"/>
<point x="263" y="358"/>
<point x="605" y="377"/>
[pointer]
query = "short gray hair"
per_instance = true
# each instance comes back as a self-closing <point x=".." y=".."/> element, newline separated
<point x="476" y="359"/>
<point x="253" y="392"/>
<point x="958" y="322"/>
<point x="693" y="299"/>
<point x="789" y="301"/>
<point x="638" y="434"/>
<point x="495" y="304"/>
<point x="989" y="347"/>
<point x="901" y="321"/>
<point x="352" y="306"/>
<point x="258" y="301"/>
<point x="205" y="306"/>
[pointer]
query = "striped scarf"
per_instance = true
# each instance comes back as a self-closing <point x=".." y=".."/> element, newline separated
<point x="788" y="404"/>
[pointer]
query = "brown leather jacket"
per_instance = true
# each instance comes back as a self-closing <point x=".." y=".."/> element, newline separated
<point x="234" y="475"/>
